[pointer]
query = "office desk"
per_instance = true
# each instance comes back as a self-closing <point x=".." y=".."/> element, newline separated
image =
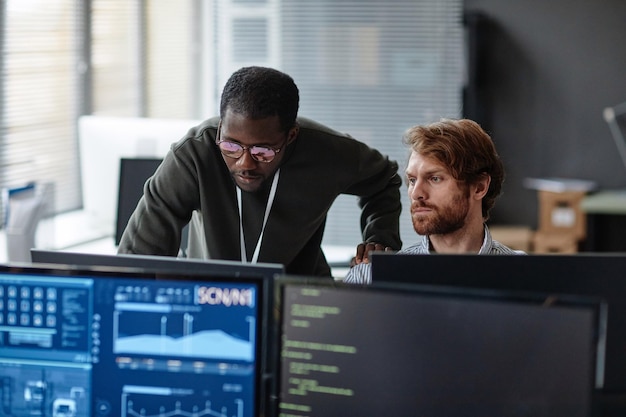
<point x="606" y="221"/>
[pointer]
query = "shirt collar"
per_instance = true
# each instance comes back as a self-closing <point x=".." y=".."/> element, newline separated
<point x="484" y="249"/>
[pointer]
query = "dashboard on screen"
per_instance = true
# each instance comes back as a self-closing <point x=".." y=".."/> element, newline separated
<point x="126" y="343"/>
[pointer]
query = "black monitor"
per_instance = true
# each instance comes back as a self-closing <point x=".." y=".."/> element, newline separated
<point x="425" y="351"/>
<point x="128" y="342"/>
<point x="602" y="275"/>
<point x="133" y="174"/>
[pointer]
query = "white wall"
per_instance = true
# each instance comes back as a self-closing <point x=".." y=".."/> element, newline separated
<point x="103" y="142"/>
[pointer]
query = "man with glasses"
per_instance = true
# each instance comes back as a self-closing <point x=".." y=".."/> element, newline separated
<point x="257" y="183"/>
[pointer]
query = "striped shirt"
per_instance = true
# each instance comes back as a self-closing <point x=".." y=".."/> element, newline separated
<point x="362" y="273"/>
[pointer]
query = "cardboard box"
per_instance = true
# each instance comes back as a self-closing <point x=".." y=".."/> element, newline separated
<point x="555" y="243"/>
<point x="515" y="237"/>
<point x="560" y="213"/>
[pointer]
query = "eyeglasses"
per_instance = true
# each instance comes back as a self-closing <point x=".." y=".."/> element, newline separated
<point x="235" y="150"/>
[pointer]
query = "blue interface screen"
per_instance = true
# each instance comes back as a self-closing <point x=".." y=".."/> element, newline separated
<point x="115" y="346"/>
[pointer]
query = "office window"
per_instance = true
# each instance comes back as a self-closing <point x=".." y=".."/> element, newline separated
<point x="142" y="58"/>
<point x="39" y="95"/>
<point x="65" y="58"/>
<point x="172" y="59"/>
<point x="373" y="69"/>
<point x="368" y="68"/>
<point x="116" y="58"/>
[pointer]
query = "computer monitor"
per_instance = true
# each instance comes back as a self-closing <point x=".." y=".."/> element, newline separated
<point x="127" y="342"/>
<point x="133" y="174"/>
<point x="602" y="275"/>
<point x="419" y="351"/>
<point x="266" y="272"/>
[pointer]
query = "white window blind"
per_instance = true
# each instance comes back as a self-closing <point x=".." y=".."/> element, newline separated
<point x="172" y="57"/>
<point x="40" y="96"/>
<point x="368" y="68"/>
<point x="116" y="58"/>
<point x="137" y="56"/>
<point x="143" y="58"/>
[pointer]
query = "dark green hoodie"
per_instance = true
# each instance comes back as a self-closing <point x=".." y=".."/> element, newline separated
<point x="318" y="166"/>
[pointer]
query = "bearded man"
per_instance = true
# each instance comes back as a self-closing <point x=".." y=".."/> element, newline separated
<point x="454" y="175"/>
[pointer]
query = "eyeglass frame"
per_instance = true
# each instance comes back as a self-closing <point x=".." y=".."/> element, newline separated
<point x="244" y="148"/>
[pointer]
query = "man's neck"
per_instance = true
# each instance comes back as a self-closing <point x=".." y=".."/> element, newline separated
<point x="469" y="239"/>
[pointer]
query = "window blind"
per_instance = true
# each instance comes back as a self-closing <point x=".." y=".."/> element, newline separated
<point x="368" y="68"/>
<point x="373" y="69"/>
<point x="40" y="96"/>
<point x="172" y="56"/>
<point x="65" y="58"/>
<point x="117" y="58"/>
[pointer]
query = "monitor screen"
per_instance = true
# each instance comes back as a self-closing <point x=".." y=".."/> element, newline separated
<point x="265" y="272"/>
<point x="128" y="343"/>
<point x="399" y="350"/>
<point x="133" y="174"/>
<point x="602" y="275"/>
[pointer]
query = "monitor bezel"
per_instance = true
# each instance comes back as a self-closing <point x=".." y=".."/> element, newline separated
<point x="596" y="304"/>
<point x="128" y="175"/>
<point x="599" y="274"/>
<point x="221" y="275"/>
<point x="160" y="268"/>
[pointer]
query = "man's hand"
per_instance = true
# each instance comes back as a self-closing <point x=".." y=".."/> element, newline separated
<point x="363" y="251"/>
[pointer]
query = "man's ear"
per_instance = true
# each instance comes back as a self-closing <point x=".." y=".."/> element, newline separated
<point x="293" y="133"/>
<point x="482" y="186"/>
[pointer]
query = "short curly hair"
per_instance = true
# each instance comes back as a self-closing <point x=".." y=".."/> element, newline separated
<point x="260" y="92"/>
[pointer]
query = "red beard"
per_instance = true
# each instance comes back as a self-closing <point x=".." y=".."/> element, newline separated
<point x="440" y="221"/>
